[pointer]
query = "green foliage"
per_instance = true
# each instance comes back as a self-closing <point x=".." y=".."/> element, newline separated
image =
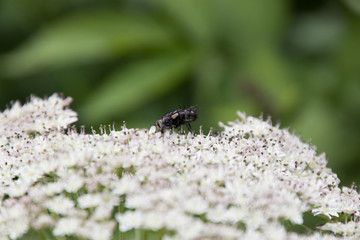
<point x="137" y="80"/>
<point x="135" y="60"/>
<point x="310" y="225"/>
<point x="87" y="37"/>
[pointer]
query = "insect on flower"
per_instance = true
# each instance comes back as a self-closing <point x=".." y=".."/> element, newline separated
<point x="177" y="118"/>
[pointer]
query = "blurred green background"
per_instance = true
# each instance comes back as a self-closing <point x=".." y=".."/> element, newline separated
<point x="297" y="61"/>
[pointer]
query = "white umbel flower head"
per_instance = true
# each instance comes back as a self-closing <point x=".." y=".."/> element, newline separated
<point x="243" y="183"/>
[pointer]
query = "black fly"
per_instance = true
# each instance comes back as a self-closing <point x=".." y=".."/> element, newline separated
<point x="177" y="118"/>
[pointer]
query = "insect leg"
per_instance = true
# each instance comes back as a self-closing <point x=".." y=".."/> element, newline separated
<point x="189" y="127"/>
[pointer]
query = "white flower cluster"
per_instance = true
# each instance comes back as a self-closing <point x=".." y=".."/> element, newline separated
<point x="37" y="116"/>
<point x="241" y="184"/>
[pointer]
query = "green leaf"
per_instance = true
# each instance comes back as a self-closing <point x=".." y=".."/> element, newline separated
<point x="354" y="5"/>
<point x="249" y="24"/>
<point x="91" y="36"/>
<point x="317" y="33"/>
<point x="195" y="18"/>
<point x="320" y="123"/>
<point x="269" y="72"/>
<point x="136" y="85"/>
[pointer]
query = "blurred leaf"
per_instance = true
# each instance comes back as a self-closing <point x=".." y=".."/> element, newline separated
<point x="136" y="85"/>
<point x="318" y="33"/>
<point x="270" y="72"/>
<point x="87" y="37"/>
<point x="247" y="24"/>
<point x="347" y="55"/>
<point x="210" y="77"/>
<point x="194" y="17"/>
<point x="350" y="97"/>
<point x="353" y="5"/>
<point x="320" y="124"/>
<point x="321" y="78"/>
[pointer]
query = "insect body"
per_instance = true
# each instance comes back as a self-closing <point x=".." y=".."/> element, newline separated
<point x="177" y="118"/>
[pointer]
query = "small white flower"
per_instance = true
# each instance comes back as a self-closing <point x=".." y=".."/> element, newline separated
<point x="196" y="205"/>
<point x="17" y="189"/>
<point x="17" y="228"/>
<point x="67" y="226"/>
<point x="52" y="188"/>
<point x="145" y="201"/>
<point x="110" y="198"/>
<point x="31" y="173"/>
<point x="103" y="212"/>
<point x="73" y="183"/>
<point x="101" y="231"/>
<point x="14" y="211"/>
<point x="153" y="221"/>
<point x="60" y="205"/>
<point x="126" y="184"/>
<point x="89" y="200"/>
<point x="327" y="210"/>
<point x="216" y="214"/>
<point x="44" y="220"/>
<point x="346" y="229"/>
<point x="176" y="219"/>
<point x="130" y="220"/>
<point x="256" y="219"/>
